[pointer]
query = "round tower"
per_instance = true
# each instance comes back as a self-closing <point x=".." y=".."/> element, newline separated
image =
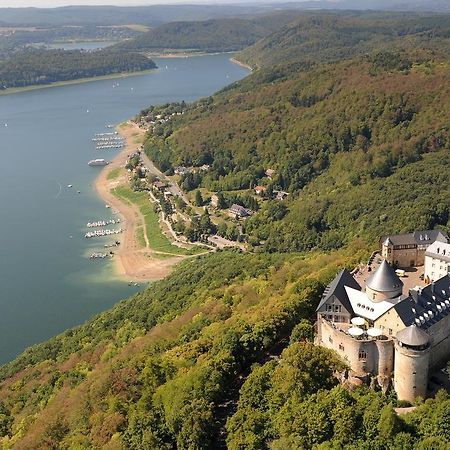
<point x="412" y="358"/>
<point x="383" y="284"/>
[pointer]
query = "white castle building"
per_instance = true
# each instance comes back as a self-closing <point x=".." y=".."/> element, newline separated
<point x="384" y="334"/>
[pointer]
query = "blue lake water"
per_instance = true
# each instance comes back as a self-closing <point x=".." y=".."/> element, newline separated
<point x="47" y="284"/>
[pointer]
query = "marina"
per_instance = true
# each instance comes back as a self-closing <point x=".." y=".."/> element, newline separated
<point x="103" y="232"/>
<point x="102" y="223"/>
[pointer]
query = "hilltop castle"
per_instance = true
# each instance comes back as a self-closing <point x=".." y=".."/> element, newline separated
<point x="383" y="333"/>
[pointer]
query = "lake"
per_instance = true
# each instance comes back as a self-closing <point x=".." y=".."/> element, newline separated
<point x="48" y="283"/>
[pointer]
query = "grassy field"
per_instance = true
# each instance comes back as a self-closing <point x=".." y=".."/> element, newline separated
<point x="113" y="174"/>
<point x="157" y="240"/>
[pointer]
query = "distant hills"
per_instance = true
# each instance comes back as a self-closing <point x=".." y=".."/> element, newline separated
<point x="157" y="14"/>
<point x="333" y="36"/>
<point x="215" y="35"/>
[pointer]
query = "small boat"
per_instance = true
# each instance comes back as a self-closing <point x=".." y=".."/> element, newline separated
<point x="69" y="185"/>
<point x="98" y="162"/>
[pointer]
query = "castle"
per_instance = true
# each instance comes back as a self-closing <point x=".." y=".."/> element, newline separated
<point x="384" y="334"/>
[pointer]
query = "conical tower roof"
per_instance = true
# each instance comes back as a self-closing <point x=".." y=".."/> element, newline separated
<point x="413" y="336"/>
<point x="384" y="279"/>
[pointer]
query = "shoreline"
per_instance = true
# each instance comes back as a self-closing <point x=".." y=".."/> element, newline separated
<point x="131" y="262"/>
<point x="112" y="76"/>
<point x="34" y="87"/>
<point x="241" y="64"/>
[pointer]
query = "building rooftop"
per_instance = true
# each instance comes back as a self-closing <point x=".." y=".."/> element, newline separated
<point x="426" y="306"/>
<point x="413" y="336"/>
<point x="424" y="237"/>
<point x="364" y="307"/>
<point x="337" y="288"/>
<point x="384" y="279"/>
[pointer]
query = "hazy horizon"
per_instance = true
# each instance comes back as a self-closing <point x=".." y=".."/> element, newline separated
<point x="58" y="3"/>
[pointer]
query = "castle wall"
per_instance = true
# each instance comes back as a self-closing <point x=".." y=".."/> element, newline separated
<point x="410" y="372"/>
<point x="440" y="342"/>
<point x="362" y="355"/>
<point x="385" y="350"/>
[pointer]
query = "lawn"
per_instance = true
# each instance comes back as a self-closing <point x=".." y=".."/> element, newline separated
<point x="157" y="240"/>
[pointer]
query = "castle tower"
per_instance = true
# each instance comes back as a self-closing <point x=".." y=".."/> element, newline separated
<point x="383" y="284"/>
<point x="412" y="358"/>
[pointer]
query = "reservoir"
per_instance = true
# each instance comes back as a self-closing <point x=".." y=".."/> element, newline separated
<point x="47" y="282"/>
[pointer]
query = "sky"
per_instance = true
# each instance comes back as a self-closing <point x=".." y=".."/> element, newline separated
<point x="55" y="3"/>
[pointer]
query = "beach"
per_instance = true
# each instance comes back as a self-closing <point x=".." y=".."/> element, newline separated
<point x="131" y="261"/>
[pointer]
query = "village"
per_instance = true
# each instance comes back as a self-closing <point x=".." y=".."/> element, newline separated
<point x="196" y="216"/>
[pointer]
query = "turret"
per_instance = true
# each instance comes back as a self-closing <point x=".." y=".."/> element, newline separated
<point x="412" y="359"/>
<point x="383" y="284"/>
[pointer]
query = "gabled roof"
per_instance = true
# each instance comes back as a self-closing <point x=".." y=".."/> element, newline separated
<point x="413" y="336"/>
<point x="384" y="279"/>
<point x="424" y="237"/>
<point x="337" y="288"/>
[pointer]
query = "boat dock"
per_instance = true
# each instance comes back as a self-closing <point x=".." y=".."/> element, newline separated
<point x="102" y="223"/>
<point x="102" y="232"/>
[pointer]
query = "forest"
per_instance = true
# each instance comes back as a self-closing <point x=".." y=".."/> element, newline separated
<point x="36" y="66"/>
<point x="374" y="125"/>
<point x="192" y="363"/>
<point x="217" y="35"/>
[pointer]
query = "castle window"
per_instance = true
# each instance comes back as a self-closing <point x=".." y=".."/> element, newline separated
<point x="390" y="331"/>
<point x="362" y="355"/>
<point x="341" y="347"/>
<point x="330" y="339"/>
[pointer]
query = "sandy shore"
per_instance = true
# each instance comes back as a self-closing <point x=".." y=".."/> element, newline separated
<point x="132" y="262"/>
<point x="241" y="64"/>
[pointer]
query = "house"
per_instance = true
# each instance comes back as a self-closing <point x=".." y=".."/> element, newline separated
<point x="160" y="185"/>
<point x="408" y="250"/>
<point x="270" y="173"/>
<point x="280" y="195"/>
<point x="215" y="200"/>
<point x="181" y="170"/>
<point x="260" y="190"/>
<point x="238" y="211"/>
<point x="383" y="334"/>
<point x="437" y="261"/>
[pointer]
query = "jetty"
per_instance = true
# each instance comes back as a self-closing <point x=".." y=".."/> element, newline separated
<point x="102" y="223"/>
<point x="102" y="232"/>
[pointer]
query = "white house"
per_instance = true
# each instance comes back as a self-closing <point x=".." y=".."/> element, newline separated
<point x="437" y="261"/>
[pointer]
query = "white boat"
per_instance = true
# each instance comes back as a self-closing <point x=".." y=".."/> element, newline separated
<point x="69" y="185"/>
<point x="98" y="162"/>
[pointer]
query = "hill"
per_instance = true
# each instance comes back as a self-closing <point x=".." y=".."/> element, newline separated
<point x="332" y="37"/>
<point x="34" y="67"/>
<point x="174" y="367"/>
<point x="216" y="35"/>
<point x="329" y="131"/>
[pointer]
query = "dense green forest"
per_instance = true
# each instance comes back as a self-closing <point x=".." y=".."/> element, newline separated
<point x="191" y="363"/>
<point x="372" y="127"/>
<point x="35" y="66"/>
<point x="331" y="37"/>
<point x="218" y="35"/>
